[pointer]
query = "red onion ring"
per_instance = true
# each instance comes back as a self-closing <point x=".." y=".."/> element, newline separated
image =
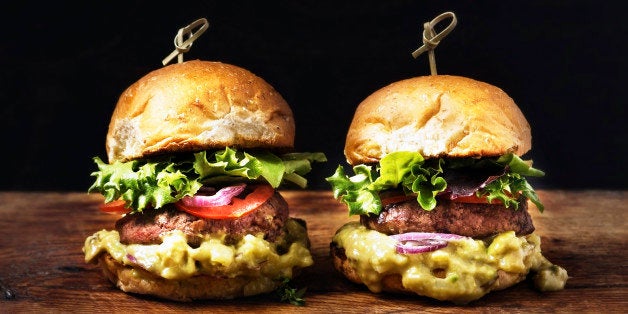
<point x="222" y="197"/>
<point x="131" y="258"/>
<point x="421" y="242"/>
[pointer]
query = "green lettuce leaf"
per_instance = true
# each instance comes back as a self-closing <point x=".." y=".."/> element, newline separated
<point x="153" y="183"/>
<point x="296" y="165"/>
<point x="394" y="168"/>
<point x="406" y="169"/>
<point x="354" y="191"/>
<point x="514" y="183"/>
<point x="409" y="171"/>
<point x="231" y="165"/>
<point x="517" y="165"/>
<point x="140" y="185"/>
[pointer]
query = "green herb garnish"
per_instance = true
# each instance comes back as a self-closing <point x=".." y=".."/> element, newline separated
<point x="288" y="294"/>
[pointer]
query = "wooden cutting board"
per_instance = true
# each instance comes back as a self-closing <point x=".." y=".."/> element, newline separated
<point x="42" y="268"/>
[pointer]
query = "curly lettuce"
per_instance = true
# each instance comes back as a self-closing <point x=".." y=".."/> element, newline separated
<point x="152" y="183"/>
<point x="409" y="170"/>
<point x="513" y="183"/>
<point x="413" y="174"/>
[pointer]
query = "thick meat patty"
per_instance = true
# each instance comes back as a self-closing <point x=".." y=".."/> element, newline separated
<point x="145" y="228"/>
<point x="467" y="219"/>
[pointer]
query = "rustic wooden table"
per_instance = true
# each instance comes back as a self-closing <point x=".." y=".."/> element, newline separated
<point x="42" y="267"/>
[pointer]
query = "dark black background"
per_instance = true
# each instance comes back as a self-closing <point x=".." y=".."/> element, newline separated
<point x="64" y="66"/>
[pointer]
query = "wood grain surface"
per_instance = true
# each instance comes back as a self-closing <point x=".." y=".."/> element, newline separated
<point x="42" y="267"/>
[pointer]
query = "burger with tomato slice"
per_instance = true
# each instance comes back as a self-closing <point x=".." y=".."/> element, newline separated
<point x="196" y="154"/>
<point x="439" y="184"/>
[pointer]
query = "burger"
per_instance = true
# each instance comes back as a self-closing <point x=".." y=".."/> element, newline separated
<point x="439" y="185"/>
<point x="196" y="154"/>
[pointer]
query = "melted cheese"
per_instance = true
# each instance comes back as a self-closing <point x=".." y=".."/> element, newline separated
<point x="469" y="267"/>
<point x="261" y="261"/>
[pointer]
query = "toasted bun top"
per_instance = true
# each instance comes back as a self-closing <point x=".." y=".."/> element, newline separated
<point x="197" y="105"/>
<point x="437" y="116"/>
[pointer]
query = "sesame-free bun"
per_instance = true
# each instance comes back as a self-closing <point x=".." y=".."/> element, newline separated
<point x="204" y="287"/>
<point x="437" y="116"/>
<point x="197" y="105"/>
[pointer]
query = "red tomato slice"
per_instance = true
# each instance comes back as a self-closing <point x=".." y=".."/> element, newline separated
<point x="238" y="207"/>
<point x="115" y="207"/>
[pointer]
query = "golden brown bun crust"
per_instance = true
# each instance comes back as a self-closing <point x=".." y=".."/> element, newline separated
<point x="197" y="105"/>
<point x="137" y="280"/>
<point x="437" y="116"/>
<point x="392" y="283"/>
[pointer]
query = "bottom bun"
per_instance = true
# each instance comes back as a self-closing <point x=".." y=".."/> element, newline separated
<point x="137" y="280"/>
<point x="462" y="272"/>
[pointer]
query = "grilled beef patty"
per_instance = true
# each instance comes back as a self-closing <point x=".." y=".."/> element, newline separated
<point x="146" y="227"/>
<point x="466" y="219"/>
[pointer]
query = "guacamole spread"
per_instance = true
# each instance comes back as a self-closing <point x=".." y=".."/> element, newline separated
<point x="461" y="272"/>
<point x="252" y="256"/>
